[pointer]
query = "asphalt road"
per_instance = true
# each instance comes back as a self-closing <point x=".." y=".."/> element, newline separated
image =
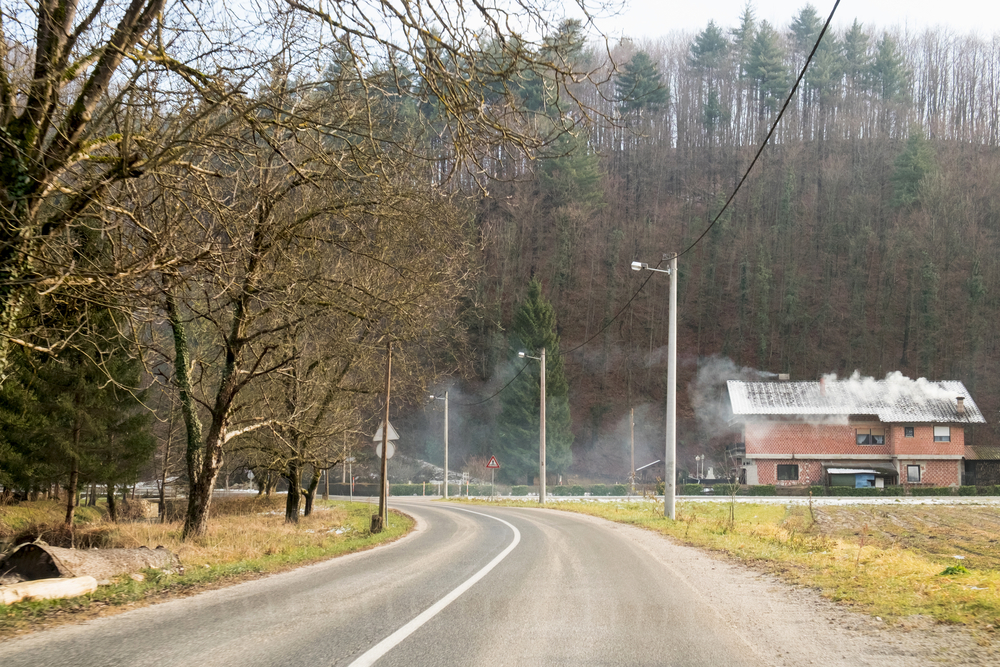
<point x="471" y="586"/>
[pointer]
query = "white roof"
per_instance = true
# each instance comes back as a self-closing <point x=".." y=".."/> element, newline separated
<point x="897" y="399"/>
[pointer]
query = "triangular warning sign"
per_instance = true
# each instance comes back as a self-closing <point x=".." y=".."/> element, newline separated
<point x="378" y="434"/>
<point x="493" y="463"/>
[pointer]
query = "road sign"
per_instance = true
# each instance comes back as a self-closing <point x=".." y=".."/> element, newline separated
<point x="378" y="434"/>
<point x="493" y="463"/>
<point x="388" y="452"/>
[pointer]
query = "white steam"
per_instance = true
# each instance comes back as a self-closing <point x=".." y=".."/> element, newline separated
<point x="708" y="394"/>
<point x="894" y="388"/>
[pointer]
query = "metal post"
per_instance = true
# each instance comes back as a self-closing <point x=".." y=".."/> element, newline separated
<point x="670" y="460"/>
<point x="541" y="439"/>
<point x="446" y="445"/>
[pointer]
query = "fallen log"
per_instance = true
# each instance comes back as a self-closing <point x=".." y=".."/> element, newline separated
<point x="47" y="589"/>
<point x="31" y="562"/>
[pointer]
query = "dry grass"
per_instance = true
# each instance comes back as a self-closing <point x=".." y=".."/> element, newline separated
<point x="247" y="537"/>
<point x="894" y="572"/>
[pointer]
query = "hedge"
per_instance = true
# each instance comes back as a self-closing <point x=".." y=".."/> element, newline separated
<point x="930" y="491"/>
<point x="519" y="490"/>
<point x="763" y="490"/>
<point x="619" y="490"/>
<point x="691" y="489"/>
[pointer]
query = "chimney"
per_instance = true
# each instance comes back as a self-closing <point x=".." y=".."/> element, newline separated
<point x="822" y="386"/>
<point x="784" y="377"/>
<point x="960" y="407"/>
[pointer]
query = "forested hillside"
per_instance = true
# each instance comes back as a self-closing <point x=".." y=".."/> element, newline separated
<point x="865" y="239"/>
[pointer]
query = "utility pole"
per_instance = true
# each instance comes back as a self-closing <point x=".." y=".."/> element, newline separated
<point x="446" y="445"/>
<point x="632" y="439"/>
<point x="541" y="461"/>
<point x="379" y="522"/>
<point x="670" y="462"/>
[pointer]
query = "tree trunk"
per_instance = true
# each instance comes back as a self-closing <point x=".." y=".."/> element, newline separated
<point x="112" y="504"/>
<point x="292" y="500"/>
<point x="74" y="479"/>
<point x="310" y="493"/>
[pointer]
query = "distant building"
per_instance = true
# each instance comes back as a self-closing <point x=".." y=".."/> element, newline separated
<point x="854" y="432"/>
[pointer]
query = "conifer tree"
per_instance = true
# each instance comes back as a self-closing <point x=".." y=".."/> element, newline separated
<point x="534" y="328"/>
<point x="639" y="87"/>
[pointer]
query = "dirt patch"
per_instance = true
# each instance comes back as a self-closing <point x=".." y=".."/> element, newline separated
<point x="940" y="532"/>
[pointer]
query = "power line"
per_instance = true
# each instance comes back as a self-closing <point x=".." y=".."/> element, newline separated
<point x="499" y="391"/>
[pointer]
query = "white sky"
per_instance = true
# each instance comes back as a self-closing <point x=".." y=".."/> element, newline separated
<point x="654" y="18"/>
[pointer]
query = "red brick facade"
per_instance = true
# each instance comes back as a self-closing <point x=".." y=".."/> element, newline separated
<point x="770" y="443"/>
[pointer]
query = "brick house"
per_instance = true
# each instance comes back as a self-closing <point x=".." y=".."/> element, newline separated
<point x="854" y="432"/>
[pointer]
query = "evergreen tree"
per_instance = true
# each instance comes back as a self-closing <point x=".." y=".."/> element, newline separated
<point x="766" y="66"/>
<point x="572" y="175"/>
<point x="857" y="59"/>
<point x="912" y="165"/>
<point x="708" y="51"/>
<point x="534" y="328"/>
<point x="889" y="75"/>
<point x="639" y="88"/>
<point x="804" y="31"/>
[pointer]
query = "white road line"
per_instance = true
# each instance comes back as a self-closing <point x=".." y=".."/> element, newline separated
<point x="387" y="644"/>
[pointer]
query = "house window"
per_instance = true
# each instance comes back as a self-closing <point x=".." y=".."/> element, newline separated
<point x="942" y="434"/>
<point x="912" y="474"/>
<point x="907" y="431"/>
<point x="788" y="472"/>
<point x="870" y="436"/>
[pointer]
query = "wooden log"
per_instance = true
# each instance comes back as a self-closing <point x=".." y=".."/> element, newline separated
<point x="31" y="562"/>
<point x="47" y="589"/>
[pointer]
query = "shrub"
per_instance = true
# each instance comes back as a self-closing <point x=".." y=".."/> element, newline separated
<point x="966" y="490"/>
<point x="519" y="490"/>
<point x="691" y="490"/>
<point x="599" y="490"/>
<point x="619" y="490"/>
<point x="851" y="491"/>
<point x="763" y="490"/>
<point x="954" y="569"/>
<point x="930" y="491"/>
<point x="660" y="488"/>
<point x="576" y="490"/>
<point x="560" y="490"/>
<point x="895" y="490"/>
<point x="406" y="489"/>
<point x="817" y="490"/>
<point x="726" y="489"/>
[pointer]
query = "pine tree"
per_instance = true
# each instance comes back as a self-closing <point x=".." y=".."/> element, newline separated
<point x="639" y="88"/>
<point x="534" y="328"/>
<point x="766" y="66"/>
<point x="912" y="165"/>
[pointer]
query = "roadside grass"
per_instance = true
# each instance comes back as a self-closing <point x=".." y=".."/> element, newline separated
<point x="237" y="546"/>
<point x="851" y="560"/>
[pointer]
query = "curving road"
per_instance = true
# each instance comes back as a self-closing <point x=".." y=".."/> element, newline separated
<point x="471" y="586"/>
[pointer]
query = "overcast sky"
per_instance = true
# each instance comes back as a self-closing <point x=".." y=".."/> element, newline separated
<point x="653" y="18"/>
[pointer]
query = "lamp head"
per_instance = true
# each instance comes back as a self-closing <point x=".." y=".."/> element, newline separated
<point x="638" y="266"/>
<point x="520" y="355"/>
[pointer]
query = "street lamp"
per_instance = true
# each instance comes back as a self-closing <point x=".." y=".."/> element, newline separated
<point x="541" y="428"/>
<point x="445" y="399"/>
<point x="670" y="458"/>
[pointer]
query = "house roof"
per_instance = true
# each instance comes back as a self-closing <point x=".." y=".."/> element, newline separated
<point x="896" y="399"/>
<point x="982" y="453"/>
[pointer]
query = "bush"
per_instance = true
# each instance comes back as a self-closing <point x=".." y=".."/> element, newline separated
<point x="560" y="491"/>
<point x="660" y="488"/>
<point x="619" y="490"/>
<point x="866" y="491"/>
<point x="894" y="490"/>
<point x="576" y="490"/>
<point x="763" y="490"/>
<point x="406" y="489"/>
<point x="817" y="490"/>
<point x="519" y="490"/>
<point x="726" y="489"/>
<point x="966" y="490"/>
<point x="599" y="490"/>
<point x="930" y="491"/>
<point x="690" y="489"/>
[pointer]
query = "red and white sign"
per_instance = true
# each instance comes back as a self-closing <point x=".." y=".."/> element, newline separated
<point x="493" y="463"/>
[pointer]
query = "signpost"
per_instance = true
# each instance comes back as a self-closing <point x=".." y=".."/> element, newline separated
<point x="493" y="465"/>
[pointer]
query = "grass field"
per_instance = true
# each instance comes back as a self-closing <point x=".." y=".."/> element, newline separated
<point x="247" y="537"/>
<point x="890" y="561"/>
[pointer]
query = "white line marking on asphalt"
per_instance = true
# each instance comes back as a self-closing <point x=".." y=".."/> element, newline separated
<point x="387" y="644"/>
